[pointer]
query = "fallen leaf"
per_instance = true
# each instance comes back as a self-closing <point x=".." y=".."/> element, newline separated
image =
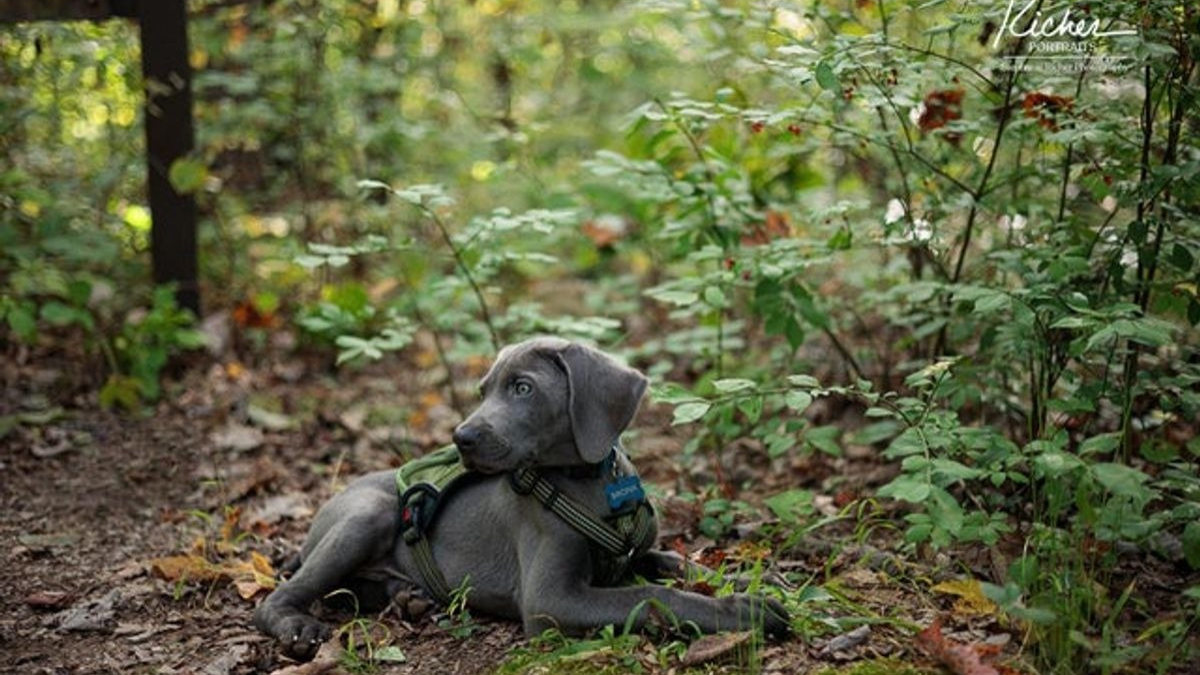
<point x="959" y="659"/>
<point x="93" y="615"/>
<point x="971" y="600"/>
<point x="49" y="599"/>
<point x="327" y="659"/>
<point x="711" y="558"/>
<point x="41" y="542"/>
<point x="249" y="577"/>
<point x="226" y="661"/>
<point x="293" y="506"/>
<point x="354" y="418"/>
<point x="57" y="441"/>
<point x="268" y="419"/>
<point x="390" y="654"/>
<point x="713" y="647"/>
<point x="237" y="437"/>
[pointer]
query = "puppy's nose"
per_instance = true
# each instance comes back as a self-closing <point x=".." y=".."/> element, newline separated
<point x="466" y="437"/>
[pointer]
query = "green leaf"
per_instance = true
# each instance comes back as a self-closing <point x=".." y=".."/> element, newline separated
<point x="187" y="175"/>
<point x="715" y="297"/>
<point x="390" y="654"/>
<point x="904" y="445"/>
<point x="1191" y="544"/>
<point x="1181" y="257"/>
<point x="752" y="407"/>
<point x="368" y="184"/>
<point x="1122" y="480"/>
<point x="791" y="505"/>
<point x="729" y="385"/>
<point x="907" y="488"/>
<point x="673" y="297"/>
<point x="1104" y="443"/>
<point x="22" y="323"/>
<point x="798" y="400"/>
<point x="824" y="439"/>
<point x="807" y="381"/>
<point x="1054" y="463"/>
<point x="60" y="314"/>
<point x="825" y="77"/>
<point x="953" y="471"/>
<point x="690" y="412"/>
<point x="672" y="393"/>
<point x="121" y="390"/>
<point x="991" y="303"/>
<point x="309" y="262"/>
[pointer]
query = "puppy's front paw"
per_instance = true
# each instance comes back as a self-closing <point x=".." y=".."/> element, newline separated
<point x="777" y="624"/>
<point x="300" y="636"/>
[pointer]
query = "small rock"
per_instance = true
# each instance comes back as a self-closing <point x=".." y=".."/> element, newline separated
<point x="226" y="662"/>
<point x="846" y="641"/>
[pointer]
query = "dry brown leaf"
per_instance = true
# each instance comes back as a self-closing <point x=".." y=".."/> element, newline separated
<point x="249" y="577"/>
<point x="49" y="599"/>
<point x="958" y="658"/>
<point x="713" y="647"/>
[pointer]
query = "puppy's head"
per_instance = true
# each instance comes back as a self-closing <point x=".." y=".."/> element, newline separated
<point x="548" y="402"/>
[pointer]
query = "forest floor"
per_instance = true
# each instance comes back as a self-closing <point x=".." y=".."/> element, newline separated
<point x="132" y="542"/>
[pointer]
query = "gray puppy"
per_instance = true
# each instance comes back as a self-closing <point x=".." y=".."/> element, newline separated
<point x="548" y="405"/>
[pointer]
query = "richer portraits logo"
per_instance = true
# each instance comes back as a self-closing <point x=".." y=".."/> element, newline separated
<point x="1063" y="39"/>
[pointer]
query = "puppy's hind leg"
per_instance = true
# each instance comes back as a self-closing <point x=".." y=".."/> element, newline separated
<point x="349" y="538"/>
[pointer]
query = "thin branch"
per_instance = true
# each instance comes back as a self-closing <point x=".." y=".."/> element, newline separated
<point x="466" y="271"/>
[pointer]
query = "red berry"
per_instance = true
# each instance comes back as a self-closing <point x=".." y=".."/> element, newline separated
<point x="757" y="127"/>
<point x="794" y="129"/>
<point x="729" y="263"/>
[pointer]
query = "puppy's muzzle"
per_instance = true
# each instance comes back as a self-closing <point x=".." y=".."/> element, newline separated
<point x="480" y="448"/>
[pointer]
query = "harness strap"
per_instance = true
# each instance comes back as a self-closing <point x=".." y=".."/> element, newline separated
<point x="621" y="543"/>
<point x="422" y="483"/>
<point x="435" y="581"/>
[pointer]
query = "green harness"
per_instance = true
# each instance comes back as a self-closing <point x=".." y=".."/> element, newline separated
<point x="615" y="540"/>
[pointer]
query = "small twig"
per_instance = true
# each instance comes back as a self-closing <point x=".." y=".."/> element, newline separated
<point x="466" y="271"/>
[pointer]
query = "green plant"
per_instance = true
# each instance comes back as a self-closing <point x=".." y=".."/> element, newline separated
<point x="458" y="621"/>
<point x="367" y="645"/>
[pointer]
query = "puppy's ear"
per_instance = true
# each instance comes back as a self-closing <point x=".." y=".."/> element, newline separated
<point x="603" y="397"/>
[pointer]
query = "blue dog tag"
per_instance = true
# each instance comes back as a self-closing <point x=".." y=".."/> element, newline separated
<point x="623" y="491"/>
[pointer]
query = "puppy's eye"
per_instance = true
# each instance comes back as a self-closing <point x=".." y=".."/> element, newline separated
<point x="522" y="388"/>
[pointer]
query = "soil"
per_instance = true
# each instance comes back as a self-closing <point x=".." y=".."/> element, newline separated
<point x="239" y="457"/>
